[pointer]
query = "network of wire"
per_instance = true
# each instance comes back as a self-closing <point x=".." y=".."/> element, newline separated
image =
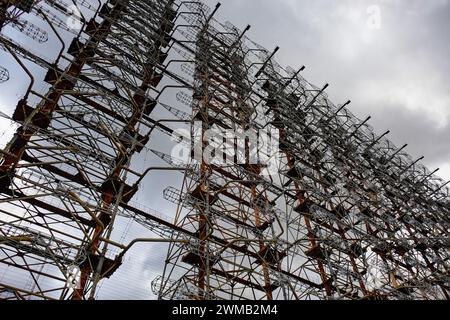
<point x="345" y="215"/>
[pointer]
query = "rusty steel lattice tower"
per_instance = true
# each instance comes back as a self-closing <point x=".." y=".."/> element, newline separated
<point x="345" y="215"/>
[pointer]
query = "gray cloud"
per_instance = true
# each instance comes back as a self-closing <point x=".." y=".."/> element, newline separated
<point x="422" y="134"/>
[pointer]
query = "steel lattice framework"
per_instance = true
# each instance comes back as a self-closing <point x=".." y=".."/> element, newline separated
<point x="347" y="215"/>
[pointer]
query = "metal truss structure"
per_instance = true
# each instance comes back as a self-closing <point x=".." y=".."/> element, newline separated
<point x="345" y="215"/>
